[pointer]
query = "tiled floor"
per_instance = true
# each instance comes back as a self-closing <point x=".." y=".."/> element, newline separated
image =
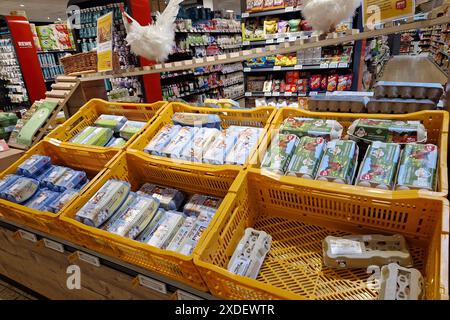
<point x="9" y="292"/>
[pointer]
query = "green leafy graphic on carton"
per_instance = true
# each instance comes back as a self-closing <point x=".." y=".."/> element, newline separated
<point x="300" y="125"/>
<point x="387" y="131"/>
<point x="380" y="166"/>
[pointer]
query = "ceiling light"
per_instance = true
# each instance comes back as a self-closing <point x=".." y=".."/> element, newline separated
<point x="48" y="18"/>
<point x="230" y="11"/>
<point x="22" y="5"/>
<point x="59" y="19"/>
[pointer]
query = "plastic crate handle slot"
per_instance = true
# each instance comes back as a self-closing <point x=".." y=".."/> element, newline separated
<point x="225" y="230"/>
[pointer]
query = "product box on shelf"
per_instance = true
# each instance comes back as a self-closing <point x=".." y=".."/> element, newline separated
<point x="135" y="169"/>
<point x="92" y="110"/>
<point x="93" y="163"/>
<point x="255" y="118"/>
<point x="298" y="219"/>
<point x="436" y="124"/>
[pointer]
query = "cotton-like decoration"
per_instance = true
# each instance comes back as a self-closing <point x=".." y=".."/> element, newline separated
<point x="324" y="15"/>
<point x="155" y="41"/>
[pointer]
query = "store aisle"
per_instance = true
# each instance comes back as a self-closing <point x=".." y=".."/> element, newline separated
<point x="413" y="69"/>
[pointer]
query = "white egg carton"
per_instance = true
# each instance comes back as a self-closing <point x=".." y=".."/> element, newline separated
<point x="361" y="251"/>
<point x="399" y="283"/>
<point x="250" y="253"/>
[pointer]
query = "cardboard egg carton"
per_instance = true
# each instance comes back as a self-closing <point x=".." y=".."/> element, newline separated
<point x="250" y="253"/>
<point x="398" y="106"/>
<point x="408" y="90"/>
<point x="398" y="283"/>
<point x="353" y="104"/>
<point x="361" y="251"/>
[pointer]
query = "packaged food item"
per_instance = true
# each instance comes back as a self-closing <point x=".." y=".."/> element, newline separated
<point x="63" y="199"/>
<point x="387" y="131"/>
<point x="138" y="215"/>
<point x="110" y="121"/>
<point x="408" y="90"/>
<point x="177" y="144"/>
<point x="104" y="203"/>
<point x="342" y="83"/>
<point x="8" y="119"/>
<point x="98" y="137"/>
<point x="195" y="233"/>
<point x="49" y="178"/>
<point x="6" y="182"/>
<point x="247" y="139"/>
<point x="315" y="81"/>
<point x="82" y="135"/>
<point x="306" y="157"/>
<point x="83" y="184"/>
<point x="167" y="229"/>
<point x="328" y="129"/>
<point x="324" y="83"/>
<point x="379" y="166"/>
<point x="332" y="82"/>
<point x="196" y="120"/>
<point x="399" y="283"/>
<point x="249" y="5"/>
<point x="42" y="199"/>
<point x="116" y="142"/>
<point x="21" y="190"/>
<point x="201" y="203"/>
<point x="283" y="26"/>
<point x="249" y="255"/>
<point x="169" y="198"/>
<point x="270" y="26"/>
<point x="182" y="233"/>
<point x="220" y="147"/>
<point x="339" y="162"/>
<point x="278" y="3"/>
<point x="201" y="141"/>
<point x="418" y="167"/>
<point x="148" y="232"/>
<point x="107" y="225"/>
<point x="33" y="166"/>
<point x="361" y="251"/>
<point x="130" y="128"/>
<point x="294" y="25"/>
<point x="258" y="4"/>
<point x="279" y="153"/>
<point x="69" y="180"/>
<point x="162" y="139"/>
<point x="268" y="3"/>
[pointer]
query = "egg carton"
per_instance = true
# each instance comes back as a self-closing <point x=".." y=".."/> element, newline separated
<point x="250" y="253"/>
<point x="398" y="106"/>
<point x="354" y="104"/>
<point x="408" y="90"/>
<point x="361" y="251"/>
<point x="398" y="283"/>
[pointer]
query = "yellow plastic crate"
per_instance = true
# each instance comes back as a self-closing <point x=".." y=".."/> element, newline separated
<point x="137" y="170"/>
<point x="93" y="163"/>
<point x="298" y="219"/>
<point x="260" y="117"/>
<point x="88" y="113"/>
<point x="436" y="123"/>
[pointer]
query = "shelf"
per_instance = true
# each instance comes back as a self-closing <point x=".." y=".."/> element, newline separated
<point x="439" y="67"/>
<point x="280" y="94"/>
<point x="196" y="92"/>
<point x="57" y="51"/>
<point x="341" y="65"/>
<point x="270" y="12"/>
<point x="287" y="38"/>
<point x="209" y="31"/>
<point x="239" y="97"/>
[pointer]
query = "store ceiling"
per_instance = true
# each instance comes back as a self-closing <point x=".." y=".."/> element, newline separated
<point x="36" y="10"/>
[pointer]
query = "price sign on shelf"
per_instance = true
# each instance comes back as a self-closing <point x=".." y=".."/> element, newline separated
<point x="313" y="93"/>
<point x="324" y="65"/>
<point x="245" y="15"/>
<point x="247" y="69"/>
<point x="333" y="65"/>
<point x="288" y="94"/>
<point x="281" y="40"/>
<point x="269" y="41"/>
<point x="288" y="9"/>
<point x="276" y="68"/>
<point x="343" y="64"/>
<point x="275" y="94"/>
<point x="248" y="94"/>
<point x="246" y="43"/>
<point x="298" y="67"/>
<point x="292" y="39"/>
<point x="267" y="94"/>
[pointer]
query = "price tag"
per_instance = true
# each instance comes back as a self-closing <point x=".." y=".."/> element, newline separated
<point x="313" y="93"/>
<point x="302" y="94"/>
<point x="247" y="69"/>
<point x="199" y="60"/>
<point x="222" y="57"/>
<point x="88" y="258"/>
<point x="248" y="94"/>
<point x="275" y="94"/>
<point x="152" y="284"/>
<point x="178" y="64"/>
<point x="292" y="39"/>
<point x="333" y="65"/>
<point x="324" y="66"/>
<point x="267" y="94"/>
<point x="188" y="62"/>
<point x="288" y="94"/>
<point x="54" y="245"/>
<point x="345" y="246"/>
<point x="269" y="41"/>
<point x="181" y="295"/>
<point x="343" y="65"/>
<point x="245" y="15"/>
<point x="288" y="9"/>
<point x="210" y="59"/>
<point x="298" y="67"/>
<point x="281" y="40"/>
<point x="276" y="68"/>
<point x="27" y="236"/>
<point x="246" y="43"/>
<point x="259" y="50"/>
<point x="234" y="54"/>
<point x="158" y="66"/>
<point x="246" y="52"/>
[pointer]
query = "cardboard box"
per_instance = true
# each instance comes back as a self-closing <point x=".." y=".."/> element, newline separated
<point x="7" y="158"/>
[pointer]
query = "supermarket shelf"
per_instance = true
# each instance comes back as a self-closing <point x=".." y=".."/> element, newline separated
<point x="56" y="51"/>
<point x="445" y="53"/>
<point x="196" y="74"/>
<point x="171" y="285"/>
<point x="279" y="94"/>
<point x="341" y="65"/>
<point x="209" y="31"/>
<point x="303" y="35"/>
<point x="187" y="94"/>
<point x="270" y="12"/>
<point x="239" y="97"/>
<point x="439" y="67"/>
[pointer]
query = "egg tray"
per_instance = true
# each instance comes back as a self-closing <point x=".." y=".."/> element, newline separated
<point x="353" y="104"/>
<point x="398" y="283"/>
<point x="408" y="90"/>
<point x="399" y="106"/>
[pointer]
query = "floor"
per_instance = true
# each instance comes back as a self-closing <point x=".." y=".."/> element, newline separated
<point x="9" y="292"/>
<point x="413" y="69"/>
